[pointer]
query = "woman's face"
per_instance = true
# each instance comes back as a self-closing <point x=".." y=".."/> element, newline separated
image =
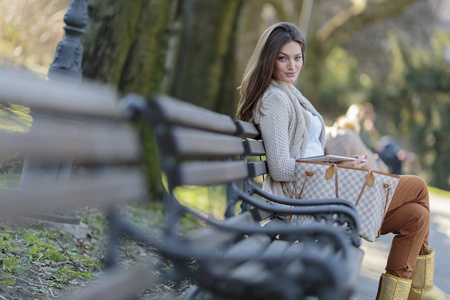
<point x="288" y="63"/>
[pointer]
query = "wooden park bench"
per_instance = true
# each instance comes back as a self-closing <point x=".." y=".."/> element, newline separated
<point x="252" y="253"/>
<point x="249" y="254"/>
<point x="84" y="124"/>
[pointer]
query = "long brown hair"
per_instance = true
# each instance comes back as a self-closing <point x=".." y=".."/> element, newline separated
<point x="259" y="69"/>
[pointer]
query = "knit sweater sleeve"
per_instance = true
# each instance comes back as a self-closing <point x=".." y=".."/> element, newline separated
<point x="275" y="119"/>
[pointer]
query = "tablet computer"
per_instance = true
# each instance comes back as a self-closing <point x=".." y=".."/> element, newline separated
<point x="328" y="158"/>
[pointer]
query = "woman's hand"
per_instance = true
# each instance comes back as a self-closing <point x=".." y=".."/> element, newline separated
<point x="361" y="161"/>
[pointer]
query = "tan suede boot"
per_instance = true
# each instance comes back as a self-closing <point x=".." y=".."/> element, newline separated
<point x="422" y="280"/>
<point x="393" y="288"/>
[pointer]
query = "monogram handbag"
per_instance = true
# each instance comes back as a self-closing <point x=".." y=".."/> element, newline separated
<point x="370" y="191"/>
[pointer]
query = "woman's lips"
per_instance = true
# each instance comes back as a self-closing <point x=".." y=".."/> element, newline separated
<point x="290" y="74"/>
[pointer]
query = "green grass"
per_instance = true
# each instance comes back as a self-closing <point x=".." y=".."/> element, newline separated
<point x="38" y="261"/>
<point x="15" y="118"/>
<point x="9" y="180"/>
<point x="210" y="201"/>
<point x="33" y="249"/>
<point x="439" y="192"/>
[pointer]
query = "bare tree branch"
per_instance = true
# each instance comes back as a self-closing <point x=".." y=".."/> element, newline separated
<point x="343" y="26"/>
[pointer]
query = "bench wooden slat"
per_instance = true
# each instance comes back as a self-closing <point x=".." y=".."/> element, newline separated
<point x="254" y="271"/>
<point x="254" y="148"/>
<point x="276" y="248"/>
<point x="294" y="249"/>
<point x="171" y="111"/>
<point x="325" y="252"/>
<point x="252" y="246"/>
<point x="89" y="98"/>
<point x="206" y="173"/>
<point x="186" y="142"/>
<point x="256" y="169"/>
<point x="246" y="130"/>
<point x="105" y="188"/>
<point x="84" y="142"/>
<point x="209" y="239"/>
<point x="230" y="264"/>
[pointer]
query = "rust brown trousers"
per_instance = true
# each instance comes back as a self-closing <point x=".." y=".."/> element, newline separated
<point x="408" y="217"/>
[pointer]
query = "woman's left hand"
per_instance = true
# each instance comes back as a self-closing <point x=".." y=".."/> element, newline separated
<point x="361" y="161"/>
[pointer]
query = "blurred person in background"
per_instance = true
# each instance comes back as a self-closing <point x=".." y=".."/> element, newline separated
<point x="343" y="139"/>
<point x="387" y="149"/>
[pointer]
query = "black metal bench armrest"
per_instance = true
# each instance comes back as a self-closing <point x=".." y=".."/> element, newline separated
<point x="347" y="216"/>
<point x="254" y="189"/>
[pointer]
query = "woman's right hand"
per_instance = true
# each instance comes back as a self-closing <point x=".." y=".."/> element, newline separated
<point x="361" y="161"/>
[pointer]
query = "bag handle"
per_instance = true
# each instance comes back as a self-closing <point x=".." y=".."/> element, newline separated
<point x="370" y="179"/>
<point x="334" y="171"/>
<point x="388" y="187"/>
<point x="307" y="174"/>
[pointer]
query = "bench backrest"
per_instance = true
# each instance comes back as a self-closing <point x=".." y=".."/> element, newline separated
<point x="253" y="146"/>
<point x="197" y="146"/>
<point x="83" y="124"/>
<point x="201" y="147"/>
<point x="197" y="132"/>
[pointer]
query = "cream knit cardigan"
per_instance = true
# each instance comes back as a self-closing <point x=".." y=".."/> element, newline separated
<point x="282" y="116"/>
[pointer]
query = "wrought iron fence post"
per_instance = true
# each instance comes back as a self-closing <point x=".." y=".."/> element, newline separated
<point x="66" y="66"/>
<point x="69" y="52"/>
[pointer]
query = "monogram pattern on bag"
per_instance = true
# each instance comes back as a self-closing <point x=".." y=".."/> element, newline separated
<point x="316" y="186"/>
<point x="372" y="212"/>
<point x="374" y="200"/>
<point x="350" y="183"/>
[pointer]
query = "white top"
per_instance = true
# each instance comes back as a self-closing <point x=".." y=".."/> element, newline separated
<point x="314" y="147"/>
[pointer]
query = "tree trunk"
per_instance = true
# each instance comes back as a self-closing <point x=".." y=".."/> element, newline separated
<point x="187" y="49"/>
<point x="204" y="63"/>
<point x="311" y="76"/>
<point x="182" y="48"/>
<point x="125" y="45"/>
<point x="248" y="32"/>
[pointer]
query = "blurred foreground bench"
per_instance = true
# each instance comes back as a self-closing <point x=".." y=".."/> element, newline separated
<point x="87" y="126"/>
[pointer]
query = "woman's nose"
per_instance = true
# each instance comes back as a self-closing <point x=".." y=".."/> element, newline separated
<point x="291" y="64"/>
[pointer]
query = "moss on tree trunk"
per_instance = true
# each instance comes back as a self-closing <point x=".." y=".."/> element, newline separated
<point x="204" y="68"/>
<point x="182" y="48"/>
<point x="125" y="45"/>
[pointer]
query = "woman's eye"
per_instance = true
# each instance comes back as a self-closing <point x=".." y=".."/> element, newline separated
<point x="298" y="58"/>
<point x="281" y="58"/>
